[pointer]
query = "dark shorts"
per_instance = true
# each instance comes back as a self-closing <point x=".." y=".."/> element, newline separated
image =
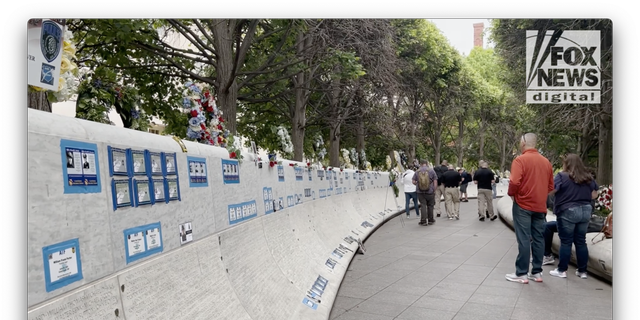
<point x="463" y="187"/>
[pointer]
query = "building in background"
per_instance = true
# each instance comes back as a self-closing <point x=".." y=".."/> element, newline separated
<point x="478" y="38"/>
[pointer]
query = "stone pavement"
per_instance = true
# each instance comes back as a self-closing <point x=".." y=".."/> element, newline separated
<point x="456" y="270"/>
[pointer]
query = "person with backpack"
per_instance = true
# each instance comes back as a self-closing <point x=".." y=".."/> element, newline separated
<point x="425" y="180"/>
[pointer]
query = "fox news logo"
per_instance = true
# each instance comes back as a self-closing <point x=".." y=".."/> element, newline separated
<point x="563" y="67"/>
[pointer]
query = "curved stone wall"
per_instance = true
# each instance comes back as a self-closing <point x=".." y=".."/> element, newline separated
<point x="286" y="264"/>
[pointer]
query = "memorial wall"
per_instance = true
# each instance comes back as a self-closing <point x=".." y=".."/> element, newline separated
<point x="124" y="224"/>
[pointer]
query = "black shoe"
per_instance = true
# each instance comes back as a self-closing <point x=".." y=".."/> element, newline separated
<point x="495" y="216"/>
<point x="422" y="223"/>
<point x="438" y="215"/>
<point x="430" y="223"/>
<point x="481" y="219"/>
<point x="487" y="214"/>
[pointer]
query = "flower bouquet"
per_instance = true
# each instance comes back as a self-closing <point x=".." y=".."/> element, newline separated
<point x="604" y="200"/>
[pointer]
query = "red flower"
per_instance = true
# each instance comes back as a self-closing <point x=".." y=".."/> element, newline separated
<point x="308" y="164"/>
<point x="271" y="164"/>
<point x="219" y="139"/>
<point x="290" y="164"/>
<point x="341" y="169"/>
<point x="610" y="191"/>
<point x="232" y="155"/>
<point x="209" y="109"/>
<point x="194" y="113"/>
<point x="203" y="127"/>
<point x="220" y="119"/>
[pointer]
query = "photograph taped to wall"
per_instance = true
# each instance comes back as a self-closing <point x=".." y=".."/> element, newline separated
<point x="142" y="190"/>
<point x="138" y="160"/>
<point x="118" y="161"/>
<point x="186" y="233"/>
<point x="170" y="163"/>
<point x="156" y="163"/>
<point x="173" y="189"/>
<point x="158" y="190"/>
<point x="122" y="190"/>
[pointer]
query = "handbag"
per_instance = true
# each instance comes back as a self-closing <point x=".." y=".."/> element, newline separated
<point x="595" y="223"/>
<point x="607" y="229"/>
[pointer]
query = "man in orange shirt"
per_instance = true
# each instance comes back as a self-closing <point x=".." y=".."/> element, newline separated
<point x="529" y="185"/>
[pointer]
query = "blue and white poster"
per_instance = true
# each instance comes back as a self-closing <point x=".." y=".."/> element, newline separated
<point x="267" y="197"/>
<point x="242" y="211"/>
<point x="62" y="264"/>
<point x="230" y="171"/>
<point x="142" y="241"/>
<point x="80" y="167"/>
<point x="280" y="173"/>
<point x="290" y="201"/>
<point x="197" y="172"/>
<point x="299" y="173"/>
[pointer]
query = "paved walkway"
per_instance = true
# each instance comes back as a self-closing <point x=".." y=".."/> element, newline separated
<point x="455" y="270"/>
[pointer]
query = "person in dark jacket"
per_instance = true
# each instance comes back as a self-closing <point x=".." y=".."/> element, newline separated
<point x="440" y="170"/>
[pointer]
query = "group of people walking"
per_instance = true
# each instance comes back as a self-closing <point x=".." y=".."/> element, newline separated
<point x="427" y="186"/>
<point x="531" y="183"/>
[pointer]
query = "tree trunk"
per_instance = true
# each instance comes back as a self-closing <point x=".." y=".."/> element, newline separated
<point x="298" y="122"/>
<point x="298" y="116"/>
<point x="334" y="144"/>
<point x="38" y="100"/>
<point x="481" y="130"/>
<point x="224" y="36"/>
<point x="437" y="144"/>
<point x="460" y="142"/>
<point x="394" y="163"/>
<point x="360" y="138"/>
<point x="503" y="151"/>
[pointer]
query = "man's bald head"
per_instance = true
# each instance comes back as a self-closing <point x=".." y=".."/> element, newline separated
<point x="528" y="141"/>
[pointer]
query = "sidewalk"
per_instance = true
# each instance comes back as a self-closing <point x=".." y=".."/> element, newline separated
<point x="456" y="270"/>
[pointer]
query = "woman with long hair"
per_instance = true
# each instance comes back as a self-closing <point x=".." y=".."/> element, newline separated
<point x="574" y="188"/>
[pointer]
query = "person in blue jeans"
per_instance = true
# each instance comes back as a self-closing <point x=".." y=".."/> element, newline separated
<point x="410" y="192"/>
<point x="574" y="188"/>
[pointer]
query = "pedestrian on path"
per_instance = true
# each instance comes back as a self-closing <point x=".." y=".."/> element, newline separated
<point x="440" y="170"/>
<point x="483" y="178"/>
<point x="466" y="179"/>
<point x="410" y="192"/>
<point x="531" y="181"/>
<point x="574" y="188"/>
<point x="426" y="182"/>
<point x="451" y="180"/>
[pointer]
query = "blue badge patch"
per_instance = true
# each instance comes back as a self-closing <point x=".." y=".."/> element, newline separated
<point x="46" y="76"/>
<point x="50" y="40"/>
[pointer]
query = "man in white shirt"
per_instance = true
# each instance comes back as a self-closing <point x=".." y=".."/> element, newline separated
<point x="410" y="191"/>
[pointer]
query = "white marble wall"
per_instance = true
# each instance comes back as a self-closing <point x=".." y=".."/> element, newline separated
<point x="256" y="269"/>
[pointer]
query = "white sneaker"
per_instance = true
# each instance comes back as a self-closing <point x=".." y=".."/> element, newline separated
<point x="557" y="273"/>
<point x="537" y="277"/>
<point x="514" y="278"/>
<point x="582" y="275"/>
